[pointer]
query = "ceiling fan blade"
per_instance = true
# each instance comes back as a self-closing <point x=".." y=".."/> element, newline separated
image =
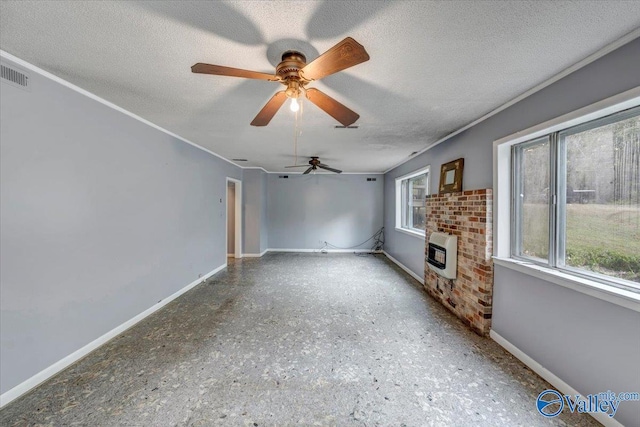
<point x="332" y="107"/>
<point x="233" y="72"/>
<point x="345" y="54"/>
<point x="329" y="169"/>
<point x="307" y="171"/>
<point x="297" y="166"/>
<point x="270" y="109"/>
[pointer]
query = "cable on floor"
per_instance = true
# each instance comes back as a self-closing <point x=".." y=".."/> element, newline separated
<point x="377" y="245"/>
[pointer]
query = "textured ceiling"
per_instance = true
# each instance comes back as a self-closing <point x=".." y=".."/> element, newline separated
<point x="435" y="66"/>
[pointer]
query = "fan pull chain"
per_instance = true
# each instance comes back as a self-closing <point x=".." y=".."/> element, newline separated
<point x="295" y="138"/>
<point x="297" y="131"/>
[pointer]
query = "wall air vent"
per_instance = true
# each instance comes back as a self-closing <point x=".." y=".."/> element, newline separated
<point x="240" y="160"/>
<point x="346" y="127"/>
<point x="14" y="77"/>
<point x="283" y="176"/>
<point x="371" y="179"/>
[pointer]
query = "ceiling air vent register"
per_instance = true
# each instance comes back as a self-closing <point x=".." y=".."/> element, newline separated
<point x="14" y="77"/>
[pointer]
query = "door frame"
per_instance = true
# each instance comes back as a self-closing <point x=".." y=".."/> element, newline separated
<point x="237" y="247"/>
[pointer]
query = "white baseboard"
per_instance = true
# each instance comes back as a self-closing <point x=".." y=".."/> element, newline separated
<point x="60" y="365"/>
<point x="331" y="251"/>
<point x="261" y="254"/>
<point x="554" y="380"/>
<point x="405" y="268"/>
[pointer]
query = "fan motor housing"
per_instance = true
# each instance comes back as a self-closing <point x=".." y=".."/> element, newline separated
<point x="292" y="62"/>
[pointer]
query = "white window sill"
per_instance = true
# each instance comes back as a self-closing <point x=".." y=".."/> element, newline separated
<point x="410" y="232"/>
<point x="618" y="296"/>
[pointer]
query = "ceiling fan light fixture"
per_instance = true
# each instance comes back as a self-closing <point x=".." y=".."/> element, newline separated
<point x="295" y="106"/>
<point x="294" y="72"/>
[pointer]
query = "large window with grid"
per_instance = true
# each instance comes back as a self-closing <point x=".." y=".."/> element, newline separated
<point x="576" y="199"/>
<point x="411" y="191"/>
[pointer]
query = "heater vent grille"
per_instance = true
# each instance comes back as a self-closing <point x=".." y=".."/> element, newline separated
<point x="14" y="77"/>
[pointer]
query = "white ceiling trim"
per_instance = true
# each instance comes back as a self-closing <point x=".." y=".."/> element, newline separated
<point x="103" y="101"/>
<point x="575" y="67"/>
<point x="255" y="167"/>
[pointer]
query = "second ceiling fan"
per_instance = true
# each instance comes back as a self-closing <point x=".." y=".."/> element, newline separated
<point x="294" y="72"/>
<point x="315" y="164"/>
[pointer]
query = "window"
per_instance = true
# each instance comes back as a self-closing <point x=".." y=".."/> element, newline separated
<point x="531" y="208"/>
<point x="411" y="191"/>
<point x="576" y="199"/>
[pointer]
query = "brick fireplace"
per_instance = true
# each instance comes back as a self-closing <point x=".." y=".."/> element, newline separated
<point x="468" y="215"/>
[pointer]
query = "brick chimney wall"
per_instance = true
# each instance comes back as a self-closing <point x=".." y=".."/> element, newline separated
<point x="468" y="215"/>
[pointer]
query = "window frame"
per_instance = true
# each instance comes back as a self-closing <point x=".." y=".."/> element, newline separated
<point x="516" y="205"/>
<point x="402" y="199"/>
<point x="606" y="289"/>
<point x="561" y="238"/>
<point x="557" y="199"/>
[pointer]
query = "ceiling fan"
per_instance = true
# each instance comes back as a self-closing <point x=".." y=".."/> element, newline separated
<point x="315" y="164"/>
<point x="294" y="72"/>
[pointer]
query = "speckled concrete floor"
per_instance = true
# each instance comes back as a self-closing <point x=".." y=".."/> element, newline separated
<point x="295" y="339"/>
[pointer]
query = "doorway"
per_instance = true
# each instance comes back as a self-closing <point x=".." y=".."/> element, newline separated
<point x="234" y="218"/>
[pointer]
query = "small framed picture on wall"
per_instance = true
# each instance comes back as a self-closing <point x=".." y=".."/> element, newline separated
<point x="451" y="176"/>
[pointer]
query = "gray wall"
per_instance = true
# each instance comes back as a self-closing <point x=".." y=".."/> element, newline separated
<point x="101" y="216"/>
<point x="306" y="210"/>
<point x="591" y="344"/>
<point x="572" y="314"/>
<point x="231" y="217"/>
<point x="254" y="195"/>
